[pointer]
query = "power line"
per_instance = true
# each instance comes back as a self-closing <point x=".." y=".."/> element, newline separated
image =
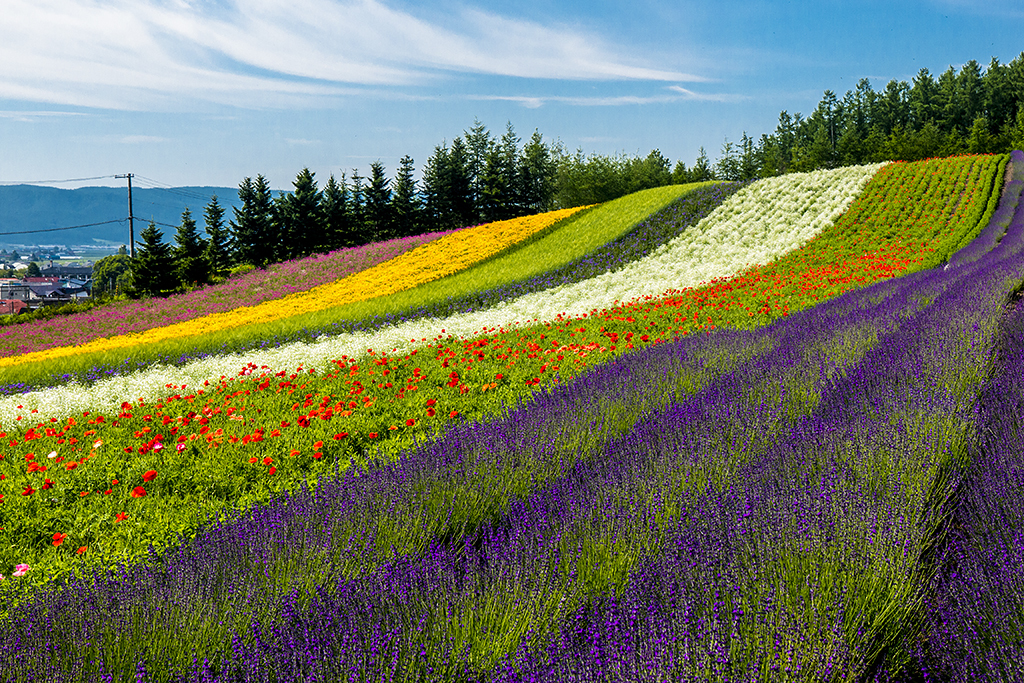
<point x="45" y="182"/>
<point x="70" y="227"/>
<point x="158" y="185"/>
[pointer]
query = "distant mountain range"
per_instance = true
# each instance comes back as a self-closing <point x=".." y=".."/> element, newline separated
<point x="28" y="210"/>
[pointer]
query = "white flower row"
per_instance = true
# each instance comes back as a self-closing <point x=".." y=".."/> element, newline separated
<point x="756" y="225"/>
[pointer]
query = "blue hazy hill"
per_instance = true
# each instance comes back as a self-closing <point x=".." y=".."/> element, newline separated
<point x="33" y="208"/>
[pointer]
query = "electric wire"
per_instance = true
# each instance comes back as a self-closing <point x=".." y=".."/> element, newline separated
<point x="45" y="182"/>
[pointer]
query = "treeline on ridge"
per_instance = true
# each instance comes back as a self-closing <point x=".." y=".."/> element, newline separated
<point x="480" y="177"/>
<point x="970" y="111"/>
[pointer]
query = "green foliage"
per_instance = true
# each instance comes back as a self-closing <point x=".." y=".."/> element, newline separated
<point x="241" y="269"/>
<point x="300" y="218"/>
<point x="152" y="271"/>
<point x="218" y="243"/>
<point x="252" y="230"/>
<point x="337" y="216"/>
<point x="970" y="111"/>
<point x="191" y="268"/>
<point x="111" y="274"/>
<point x="378" y="213"/>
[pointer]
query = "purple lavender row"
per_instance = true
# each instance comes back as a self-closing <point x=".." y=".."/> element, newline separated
<point x="237" y="550"/>
<point x="230" y="549"/>
<point x="825" y="510"/>
<point x="976" y="624"/>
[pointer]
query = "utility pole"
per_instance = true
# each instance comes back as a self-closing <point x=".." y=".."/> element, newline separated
<point x="131" y="216"/>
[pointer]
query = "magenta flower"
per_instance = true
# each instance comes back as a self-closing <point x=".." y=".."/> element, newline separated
<point x="21" y="569"/>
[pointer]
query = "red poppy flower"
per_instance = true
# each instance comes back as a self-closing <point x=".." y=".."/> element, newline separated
<point x="272" y="470"/>
<point x="149" y="476"/>
<point x="28" y="491"/>
<point x="410" y="422"/>
<point x="318" y="455"/>
<point x="120" y="517"/>
<point x="83" y="549"/>
<point x="58" y="538"/>
<point x="253" y="460"/>
<point x="373" y="435"/>
<point x="47" y="484"/>
<point x="138" y="492"/>
<point x="339" y="437"/>
<point x="267" y="460"/>
<point x="72" y="465"/>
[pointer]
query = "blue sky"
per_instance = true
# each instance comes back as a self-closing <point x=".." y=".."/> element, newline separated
<point x="207" y="92"/>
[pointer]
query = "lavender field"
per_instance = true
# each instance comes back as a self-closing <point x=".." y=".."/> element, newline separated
<point x="835" y="496"/>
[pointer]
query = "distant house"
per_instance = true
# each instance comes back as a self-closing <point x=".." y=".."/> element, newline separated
<point x="12" y="306"/>
<point x="11" y="288"/>
<point x="83" y="273"/>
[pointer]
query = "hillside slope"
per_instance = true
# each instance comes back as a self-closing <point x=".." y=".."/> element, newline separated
<point x="798" y="471"/>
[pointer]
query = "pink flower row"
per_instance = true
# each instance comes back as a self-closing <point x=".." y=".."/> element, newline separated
<point x="277" y="280"/>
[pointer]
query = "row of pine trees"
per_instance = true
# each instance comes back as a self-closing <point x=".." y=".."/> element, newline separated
<point x="481" y="177"/>
<point x="970" y="111"/>
<point x="476" y="179"/>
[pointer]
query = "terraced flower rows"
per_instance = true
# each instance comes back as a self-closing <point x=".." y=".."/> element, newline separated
<point x="731" y="447"/>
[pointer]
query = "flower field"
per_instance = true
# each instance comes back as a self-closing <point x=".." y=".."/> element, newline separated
<point x="253" y="288"/>
<point x="430" y="261"/>
<point x="768" y="432"/>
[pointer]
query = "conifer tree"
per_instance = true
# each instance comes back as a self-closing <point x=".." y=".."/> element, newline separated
<point x="358" y="232"/>
<point x="218" y="243"/>
<point x="153" y="266"/>
<point x="253" y="233"/>
<point x="436" y="197"/>
<point x="702" y="168"/>
<point x="190" y="266"/>
<point x="476" y="144"/>
<point x="500" y="183"/>
<point x="337" y="220"/>
<point x="379" y="223"/>
<point x="405" y="201"/>
<point x="301" y="216"/>
<point x="536" y="177"/>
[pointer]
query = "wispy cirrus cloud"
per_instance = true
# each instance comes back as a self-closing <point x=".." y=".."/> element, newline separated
<point x="687" y="94"/>
<point x="677" y="93"/>
<point x="153" y="54"/>
<point x="30" y="116"/>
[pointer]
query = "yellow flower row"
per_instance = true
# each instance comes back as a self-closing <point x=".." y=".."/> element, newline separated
<point x="431" y="261"/>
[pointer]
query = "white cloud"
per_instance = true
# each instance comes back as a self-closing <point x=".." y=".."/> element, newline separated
<point x="141" y="139"/>
<point x="152" y="54"/>
<point x="678" y="93"/>
<point x="706" y="97"/>
<point x="31" y="116"/>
